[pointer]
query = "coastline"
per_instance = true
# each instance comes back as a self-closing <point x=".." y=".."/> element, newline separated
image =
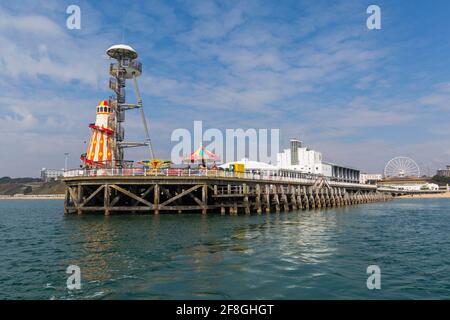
<point x="33" y="197"/>
<point x="445" y="195"/>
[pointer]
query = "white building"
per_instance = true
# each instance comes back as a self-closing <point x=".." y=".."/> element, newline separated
<point x="416" y="187"/>
<point x="370" y="178"/>
<point x="327" y="169"/>
<point x="305" y="160"/>
<point x="309" y="161"/>
<point x="51" y="174"/>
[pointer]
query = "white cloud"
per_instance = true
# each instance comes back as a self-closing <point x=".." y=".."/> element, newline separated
<point x="232" y="64"/>
<point x="34" y="25"/>
<point x="34" y="46"/>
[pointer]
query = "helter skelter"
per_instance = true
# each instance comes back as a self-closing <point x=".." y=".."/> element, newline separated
<point x="107" y="143"/>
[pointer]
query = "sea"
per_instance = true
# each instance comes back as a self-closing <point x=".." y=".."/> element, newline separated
<point x="389" y="250"/>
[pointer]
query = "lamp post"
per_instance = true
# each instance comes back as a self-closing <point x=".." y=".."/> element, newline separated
<point x="66" y="155"/>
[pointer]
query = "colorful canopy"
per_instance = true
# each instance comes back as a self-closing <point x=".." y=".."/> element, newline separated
<point x="201" y="154"/>
<point x="156" y="163"/>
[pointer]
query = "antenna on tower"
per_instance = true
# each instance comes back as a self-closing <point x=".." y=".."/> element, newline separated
<point x="126" y="68"/>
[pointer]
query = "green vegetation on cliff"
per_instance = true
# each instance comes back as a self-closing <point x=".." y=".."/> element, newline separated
<point x="12" y="186"/>
<point x="441" y="180"/>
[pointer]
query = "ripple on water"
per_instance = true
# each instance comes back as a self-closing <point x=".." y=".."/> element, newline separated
<point x="305" y="254"/>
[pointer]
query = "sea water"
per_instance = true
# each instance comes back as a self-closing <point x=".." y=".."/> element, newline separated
<point x="317" y="254"/>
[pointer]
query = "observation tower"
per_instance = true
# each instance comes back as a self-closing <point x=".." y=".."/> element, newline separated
<point x="107" y="143"/>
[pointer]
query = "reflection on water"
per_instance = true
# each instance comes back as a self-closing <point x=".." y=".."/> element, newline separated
<point x="97" y="248"/>
<point x="304" y="254"/>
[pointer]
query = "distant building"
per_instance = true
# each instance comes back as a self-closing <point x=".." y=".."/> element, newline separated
<point x="417" y="187"/>
<point x="409" y="183"/>
<point x="306" y="160"/>
<point x="51" y="174"/>
<point x="444" y="172"/>
<point x="370" y="178"/>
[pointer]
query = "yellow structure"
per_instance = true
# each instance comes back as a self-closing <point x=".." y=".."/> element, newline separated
<point x="237" y="167"/>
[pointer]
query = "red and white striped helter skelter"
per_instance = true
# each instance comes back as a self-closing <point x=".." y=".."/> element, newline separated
<point x="106" y="146"/>
<point x="99" y="152"/>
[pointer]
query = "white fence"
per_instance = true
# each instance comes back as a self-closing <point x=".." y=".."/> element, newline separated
<point x="271" y="175"/>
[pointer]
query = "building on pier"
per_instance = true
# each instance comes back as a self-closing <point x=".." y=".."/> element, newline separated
<point x="343" y="173"/>
<point x="305" y="160"/>
<point x="300" y="158"/>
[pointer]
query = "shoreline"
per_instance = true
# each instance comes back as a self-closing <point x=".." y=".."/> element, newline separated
<point x="444" y="195"/>
<point x="33" y="197"/>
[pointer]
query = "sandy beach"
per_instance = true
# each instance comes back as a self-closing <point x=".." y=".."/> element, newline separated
<point x="33" y="197"/>
<point x="427" y="196"/>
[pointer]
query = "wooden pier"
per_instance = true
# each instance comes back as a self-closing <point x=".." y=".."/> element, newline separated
<point x="109" y="193"/>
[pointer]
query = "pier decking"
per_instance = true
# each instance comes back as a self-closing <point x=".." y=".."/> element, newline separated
<point x="110" y="191"/>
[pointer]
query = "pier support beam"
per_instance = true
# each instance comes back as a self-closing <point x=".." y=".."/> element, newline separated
<point x="317" y="199"/>
<point x="312" y="201"/>
<point x="79" y="196"/>
<point x="66" y="201"/>
<point x="284" y="199"/>
<point x="156" y="194"/>
<point x="106" y="199"/>
<point x="258" y="199"/>
<point x="204" y="199"/>
<point x="293" y="197"/>
<point x="304" y="195"/>
<point x="267" y="197"/>
<point x="276" y="199"/>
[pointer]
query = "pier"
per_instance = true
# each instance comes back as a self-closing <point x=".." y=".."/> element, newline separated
<point x="134" y="190"/>
<point x="109" y="184"/>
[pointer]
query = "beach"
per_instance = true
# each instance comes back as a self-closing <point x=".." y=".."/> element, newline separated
<point x="33" y="197"/>
<point x="427" y="196"/>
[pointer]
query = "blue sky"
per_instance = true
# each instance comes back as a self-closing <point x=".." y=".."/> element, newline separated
<point x="310" y="68"/>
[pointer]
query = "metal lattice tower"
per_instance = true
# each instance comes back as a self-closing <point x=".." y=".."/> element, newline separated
<point x="126" y="68"/>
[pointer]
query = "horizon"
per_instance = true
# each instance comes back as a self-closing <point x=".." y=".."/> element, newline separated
<point x="313" y="70"/>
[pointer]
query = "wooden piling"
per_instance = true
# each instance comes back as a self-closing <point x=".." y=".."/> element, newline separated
<point x="156" y="194"/>
<point x="106" y="199"/>
<point x="204" y="194"/>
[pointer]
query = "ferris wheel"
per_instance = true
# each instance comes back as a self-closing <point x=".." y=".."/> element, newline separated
<point x="401" y="167"/>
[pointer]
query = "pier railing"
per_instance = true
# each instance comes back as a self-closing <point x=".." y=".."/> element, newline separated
<point x="271" y="175"/>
